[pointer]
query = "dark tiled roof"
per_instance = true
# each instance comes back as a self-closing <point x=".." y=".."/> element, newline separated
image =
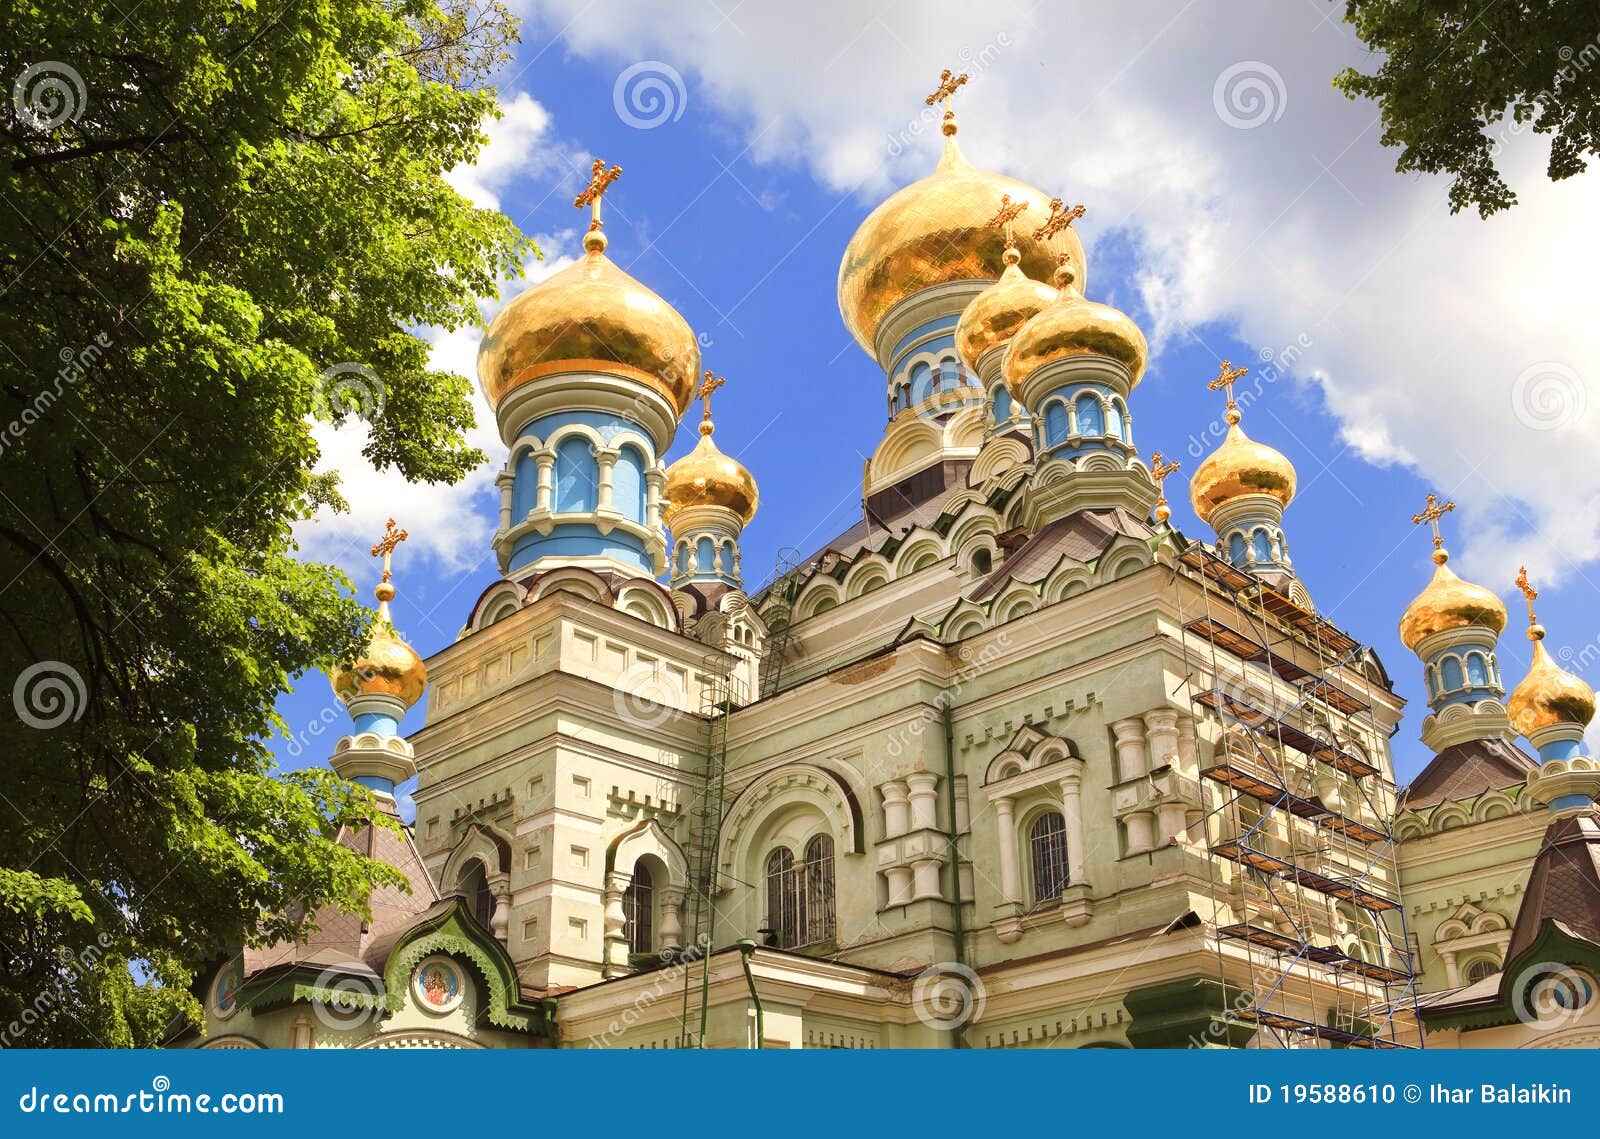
<point x="1466" y="770"/>
<point x="1083" y="537"/>
<point x="1564" y="886"/>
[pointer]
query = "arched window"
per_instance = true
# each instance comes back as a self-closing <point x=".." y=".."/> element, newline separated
<point x="704" y="555"/>
<point x="525" y="490"/>
<point x="1047" y="848"/>
<point x="474" y="884"/>
<point x="627" y="483"/>
<point x="1114" y="421"/>
<point x="1236" y="549"/>
<point x="785" y="902"/>
<point x="922" y="382"/>
<point x="819" y="889"/>
<point x="1119" y="416"/>
<point x="949" y="374"/>
<point x="683" y="557"/>
<point x="1055" y="423"/>
<point x="1480" y="970"/>
<point x="1091" y="419"/>
<point x="982" y="563"/>
<point x="1477" y="670"/>
<point x="1002" y="404"/>
<point x="577" y="475"/>
<point x="1450" y="667"/>
<point x="638" y="908"/>
<point x="1261" y="545"/>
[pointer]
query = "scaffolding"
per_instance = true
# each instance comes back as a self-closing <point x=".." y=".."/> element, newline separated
<point x="1309" y="931"/>
<point x="781" y="592"/>
<point x="721" y="693"/>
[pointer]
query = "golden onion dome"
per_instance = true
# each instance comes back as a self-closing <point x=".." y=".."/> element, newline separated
<point x="1072" y="326"/>
<point x="1449" y="603"/>
<point x="707" y="477"/>
<point x="1549" y="694"/>
<point x="591" y="316"/>
<point x="938" y="230"/>
<point x="995" y="314"/>
<point x="387" y="666"/>
<point x="1240" y="466"/>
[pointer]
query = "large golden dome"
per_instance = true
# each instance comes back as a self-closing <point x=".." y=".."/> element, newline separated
<point x="937" y="230"/>
<point x="707" y="477"/>
<point x="1549" y="694"/>
<point x="1072" y="326"/>
<point x="1240" y="466"/>
<point x="593" y="316"/>
<point x="387" y="666"/>
<point x="1449" y="603"/>
<point x="995" y="314"/>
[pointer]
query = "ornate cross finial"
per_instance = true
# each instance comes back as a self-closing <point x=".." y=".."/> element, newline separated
<point x="1431" y="514"/>
<point x="707" y="388"/>
<point x="392" y="537"/>
<point x="1528" y="592"/>
<point x="1160" y="468"/>
<point x="948" y="82"/>
<point x="1226" y="377"/>
<point x="1058" y="220"/>
<point x="600" y="180"/>
<point x="1007" y="214"/>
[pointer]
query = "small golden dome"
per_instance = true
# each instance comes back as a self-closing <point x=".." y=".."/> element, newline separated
<point x="1072" y="326"/>
<point x="707" y="477"/>
<point x="1549" y="694"/>
<point x="995" y="314"/>
<point x="1240" y="466"/>
<point x="1449" y="603"/>
<point x="386" y="667"/>
<point x="937" y="230"/>
<point x="590" y="315"/>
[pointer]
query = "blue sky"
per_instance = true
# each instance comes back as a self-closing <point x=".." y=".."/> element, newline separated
<point x="737" y="205"/>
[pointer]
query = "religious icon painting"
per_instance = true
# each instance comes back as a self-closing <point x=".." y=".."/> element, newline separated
<point x="438" y="985"/>
<point x="225" y="989"/>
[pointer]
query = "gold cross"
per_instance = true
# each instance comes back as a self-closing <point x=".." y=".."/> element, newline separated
<point x="1160" y="468"/>
<point x="1528" y="591"/>
<point x="600" y="180"/>
<point x="1007" y="214"/>
<point x="1431" y="515"/>
<point x="709" y="385"/>
<point x="392" y="537"/>
<point x="948" y="82"/>
<point x="1058" y="220"/>
<point x="1225" y="380"/>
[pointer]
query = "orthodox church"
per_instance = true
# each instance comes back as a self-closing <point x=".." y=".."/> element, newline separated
<point x="1010" y="762"/>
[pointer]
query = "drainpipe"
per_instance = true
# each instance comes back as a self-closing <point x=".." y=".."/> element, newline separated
<point x="957" y="1035"/>
<point x="747" y="950"/>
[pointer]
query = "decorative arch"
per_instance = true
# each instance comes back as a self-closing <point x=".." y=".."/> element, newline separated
<point x="1029" y="750"/>
<point x="482" y="844"/>
<point x="866" y="575"/>
<point x="573" y="579"/>
<point x="649" y="838"/>
<point x="497" y="603"/>
<point x="1068" y="579"/>
<point x="646" y="603"/>
<point x="997" y="456"/>
<point x="918" y="555"/>
<point x="808" y="784"/>
<point x="1017" y="601"/>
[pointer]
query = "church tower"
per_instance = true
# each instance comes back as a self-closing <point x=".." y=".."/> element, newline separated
<point x="588" y="373"/>
<point x="710" y="499"/>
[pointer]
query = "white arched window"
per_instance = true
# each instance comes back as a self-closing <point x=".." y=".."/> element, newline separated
<point x="819" y="889"/>
<point x="638" y="908"/>
<point x="783" y="897"/>
<point x="1047" y="851"/>
<point x="800" y="894"/>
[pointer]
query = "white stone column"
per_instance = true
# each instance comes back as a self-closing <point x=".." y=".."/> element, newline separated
<point x="1141" y="831"/>
<point x="1188" y="747"/>
<point x="1451" y="972"/>
<point x="1072" y="813"/>
<point x="302" y="1034"/>
<point x="899" y="879"/>
<point x="671" y="918"/>
<point x="1010" y="880"/>
<point x="1173" y="820"/>
<point x="606" y="461"/>
<point x="963" y="806"/>
<point x="615" y="945"/>
<point x="506" y="481"/>
<point x="500" y="920"/>
<point x="544" y="494"/>
<point x="1161" y="730"/>
<point x="925" y="879"/>
<point x="924" y="800"/>
<point x="896" y="809"/>
<point x="1131" y="756"/>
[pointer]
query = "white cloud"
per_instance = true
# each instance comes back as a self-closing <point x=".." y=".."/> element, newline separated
<point x="519" y="147"/>
<point x="1420" y="323"/>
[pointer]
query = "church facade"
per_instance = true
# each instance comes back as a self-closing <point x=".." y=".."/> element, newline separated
<point x="1010" y="762"/>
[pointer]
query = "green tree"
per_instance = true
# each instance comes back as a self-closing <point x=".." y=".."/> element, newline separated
<point x="221" y="220"/>
<point x="1451" y="71"/>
